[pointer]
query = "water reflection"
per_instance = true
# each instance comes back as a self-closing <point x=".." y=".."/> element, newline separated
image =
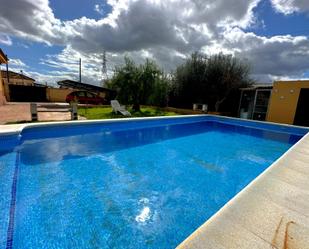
<point x="45" y="150"/>
<point x="144" y="215"/>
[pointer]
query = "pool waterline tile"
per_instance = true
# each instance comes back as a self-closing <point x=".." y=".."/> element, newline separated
<point x="10" y="232"/>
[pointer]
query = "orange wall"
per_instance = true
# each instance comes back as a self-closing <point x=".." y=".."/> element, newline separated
<point x="57" y="94"/>
<point x="283" y="101"/>
<point x="60" y="94"/>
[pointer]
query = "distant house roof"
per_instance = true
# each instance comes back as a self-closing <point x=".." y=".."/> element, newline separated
<point x="14" y="75"/>
<point x="83" y="86"/>
<point x="39" y="85"/>
<point x="3" y="57"/>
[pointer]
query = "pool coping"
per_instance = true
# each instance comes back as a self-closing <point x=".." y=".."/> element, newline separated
<point x="18" y="128"/>
<point x="271" y="212"/>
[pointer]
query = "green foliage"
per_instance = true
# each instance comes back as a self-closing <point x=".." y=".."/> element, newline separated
<point x="189" y="81"/>
<point x="140" y="84"/>
<point x="200" y="79"/>
<point x="209" y="79"/>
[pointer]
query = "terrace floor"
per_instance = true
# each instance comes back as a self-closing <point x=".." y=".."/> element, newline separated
<point x="20" y="112"/>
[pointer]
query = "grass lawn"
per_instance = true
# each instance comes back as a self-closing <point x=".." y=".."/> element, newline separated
<point x="106" y="112"/>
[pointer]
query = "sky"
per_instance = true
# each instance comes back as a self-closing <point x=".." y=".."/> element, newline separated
<point x="46" y="38"/>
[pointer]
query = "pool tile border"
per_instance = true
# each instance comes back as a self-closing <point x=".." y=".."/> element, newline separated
<point x="10" y="231"/>
<point x="263" y="125"/>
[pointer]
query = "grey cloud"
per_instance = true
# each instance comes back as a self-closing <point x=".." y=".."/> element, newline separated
<point x="28" y="19"/>
<point x="277" y="56"/>
<point x="142" y="25"/>
<point x="214" y="11"/>
<point x="165" y="30"/>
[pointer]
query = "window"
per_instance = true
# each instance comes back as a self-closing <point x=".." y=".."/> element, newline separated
<point x="81" y="94"/>
<point x="90" y="95"/>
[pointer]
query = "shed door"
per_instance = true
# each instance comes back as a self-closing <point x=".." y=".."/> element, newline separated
<point x="302" y="111"/>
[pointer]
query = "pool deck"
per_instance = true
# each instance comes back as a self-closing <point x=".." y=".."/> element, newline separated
<point x="271" y="212"/>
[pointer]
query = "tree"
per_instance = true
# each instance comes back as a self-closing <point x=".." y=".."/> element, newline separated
<point x="225" y="73"/>
<point x="124" y="81"/>
<point x="189" y="81"/>
<point x="140" y="84"/>
<point x="209" y="79"/>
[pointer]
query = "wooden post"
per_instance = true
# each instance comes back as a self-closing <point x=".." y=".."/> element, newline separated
<point x="34" y="112"/>
<point x="74" y="111"/>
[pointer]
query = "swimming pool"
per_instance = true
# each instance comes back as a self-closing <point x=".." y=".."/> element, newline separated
<point x="128" y="184"/>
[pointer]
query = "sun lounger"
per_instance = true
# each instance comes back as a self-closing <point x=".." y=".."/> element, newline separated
<point x="119" y="108"/>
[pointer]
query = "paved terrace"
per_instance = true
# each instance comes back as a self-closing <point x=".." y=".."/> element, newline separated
<point x="272" y="212"/>
<point x="20" y="112"/>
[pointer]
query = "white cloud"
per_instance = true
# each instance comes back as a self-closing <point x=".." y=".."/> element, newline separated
<point x="164" y="30"/>
<point x="99" y="9"/>
<point x="132" y="24"/>
<point x="5" y="40"/>
<point x="17" y="63"/>
<point x="290" y="6"/>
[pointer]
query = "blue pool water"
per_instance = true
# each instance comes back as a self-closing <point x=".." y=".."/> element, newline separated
<point x="127" y="185"/>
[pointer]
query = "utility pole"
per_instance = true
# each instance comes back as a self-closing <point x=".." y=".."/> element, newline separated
<point x="80" y="70"/>
<point x="104" y="68"/>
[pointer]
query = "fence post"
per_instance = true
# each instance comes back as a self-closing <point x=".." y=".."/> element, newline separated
<point x="34" y="112"/>
<point x="74" y="111"/>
